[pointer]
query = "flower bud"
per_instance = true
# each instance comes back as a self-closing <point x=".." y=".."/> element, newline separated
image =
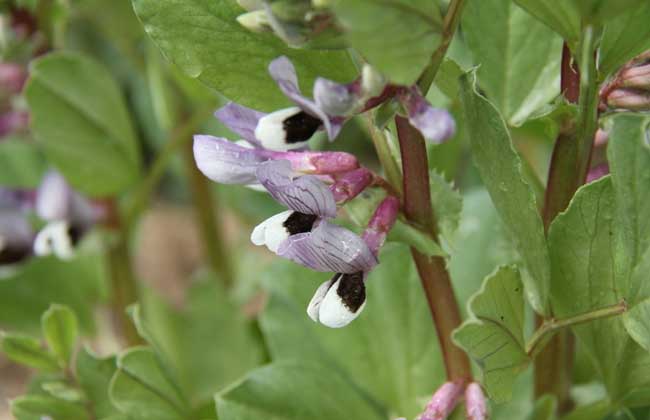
<point x="631" y="99"/>
<point x="381" y="223"/>
<point x="601" y="138"/>
<point x="443" y="401"/>
<point x="636" y="77"/>
<point x="12" y="78"/>
<point x="475" y="407"/>
<point x="256" y="21"/>
<point x="13" y="121"/>
<point x="351" y="184"/>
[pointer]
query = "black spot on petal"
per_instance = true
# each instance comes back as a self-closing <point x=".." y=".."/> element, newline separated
<point x="14" y="254"/>
<point x="300" y="127"/>
<point x="75" y="233"/>
<point x="299" y="223"/>
<point x="352" y="290"/>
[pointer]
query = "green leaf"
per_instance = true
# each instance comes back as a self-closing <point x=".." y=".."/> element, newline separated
<point x="494" y="334"/>
<point x="629" y="160"/>
<point x="94" y="375"/>
<point x="29" y="352"/>
<point x="80" y="119"/>
<point x="624" y="38"/>
<point x="375" y="350"/>
<point x="514" y="199"/>
<point x="295" y="391"/>
<point x="39" y="407"/>
<point x="28" y="292"/>
<point x="204" y="39"/>
<point x="448" y="78"/>
<point x="545" y="409"/>
<point x="380" y="30"/>
<point x="597" y="410"/>
<point x="582" y="243"/>
<point x="447" y="204"/>
<point x="519" y="68"/>
<point x="63" y="391"/>
<point x="208" y="341"/>
<point x="561" y="16"/>
<point x="142" y="388"/>
<point x="60" y="330"/>
<point x="21" y="162"/>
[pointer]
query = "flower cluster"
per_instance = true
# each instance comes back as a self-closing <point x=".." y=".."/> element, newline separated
<point x="272" y="156"/>
<point x="629" y="89"/>
<point x="66" y="216"/>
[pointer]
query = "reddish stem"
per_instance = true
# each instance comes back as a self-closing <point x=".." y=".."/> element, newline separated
<point x="432" y="270"/>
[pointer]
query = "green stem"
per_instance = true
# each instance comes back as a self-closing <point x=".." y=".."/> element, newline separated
<point x="450" y="24"/>
<point x="210" y="230"/>
<point x="386" y="159"/>
<point x="178" y="138"/>
<point x="432" y="270"/>
<point x="551" y="326"/>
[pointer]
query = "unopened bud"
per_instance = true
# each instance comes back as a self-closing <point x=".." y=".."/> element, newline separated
<point x="475" y="406"/>
<point x="351" y="184"/>
<point x="443" y="401"/>
<point x="13" y="121"/>
<point x="597" y="172"/>
<point x="631" y="99"/>
<point x="372" y="82"/>
<point x="256" y="21"/>
<point x="601" y="138"/>
<point x="381" y="223"/>
<point x="636" y="77"/>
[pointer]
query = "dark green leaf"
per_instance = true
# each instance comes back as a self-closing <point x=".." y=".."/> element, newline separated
<point x="501" y="170"/>
<point x="494" y="334"/>
<point x="398" y="37"/>
<point x="518" y="57"/>
<point x="143" y="389"/>
<point x="296" y="391"/>
<point x="204" y="39"/>
<point x="29" y="352"/>
<point x="81" y="120"/>
<point x="60" y="330"/>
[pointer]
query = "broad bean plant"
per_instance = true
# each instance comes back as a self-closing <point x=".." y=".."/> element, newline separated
<point x="422" y="209"/>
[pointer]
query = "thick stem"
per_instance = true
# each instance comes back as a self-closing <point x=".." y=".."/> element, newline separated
<point x="432" y="270"/>
<point x="210" y="231"/>
<point x="123" y="282"/>
<point x="568" y="171"/>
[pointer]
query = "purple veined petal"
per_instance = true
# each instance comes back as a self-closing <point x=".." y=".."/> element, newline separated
<point x="53" y="198"/>
<point x="435" y="124"/>
<point x="329" y="247"/>
<point x="334" y="98"/>
<point x="226" y="162"/>
<point x="240" y="120"/>
<point x="305" y="194"/>
<point x="284" y="74"/>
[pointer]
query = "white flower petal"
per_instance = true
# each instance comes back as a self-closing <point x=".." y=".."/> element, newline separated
<point x="54" y="239"/>
<point x="343" y="302"/>
<point x="271" y="232"/>
<point x="271" y="132"/>
<point x="314" y="305"/>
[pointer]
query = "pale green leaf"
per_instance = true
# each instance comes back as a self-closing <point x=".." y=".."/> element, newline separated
<point x="395" y="358"/>
<point x="22" y="163"/>
<point x="81" y="120"/>
<point x="28" y="351"/>
<point x="624" y="37"/>
<point x="94" y="375"/>
<point x="518" y="57"/>
<point x="447" y="204"/>
<point x="63" y="391"/>
<point x="60" y="329"/>
<point x="296" y="391"/>
<point x="493" y="336"/>
<point x="545" y="409"/>
<point x="398" y="37"/>
<point x="561" y="16"/>
<point x="205" y="40"/>
<point x="143" y="388"/>
<point x="501" y="170"/>
<point x="39" y="407"/>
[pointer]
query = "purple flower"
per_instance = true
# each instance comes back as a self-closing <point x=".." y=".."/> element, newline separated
<point x="435" y="124"/>
<point x="68" y="216"/>
<point x="328" y="247"/>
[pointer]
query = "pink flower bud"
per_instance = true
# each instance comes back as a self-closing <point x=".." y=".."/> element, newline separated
<point x="631" y="99"/>
<point x="351" y="184"/>
<point x="443" y="401"/>
<point x="12" y="78"/>
<point x="601" y="138"/>
<point x="597" y="172"/>
<point x="381" y="223"/>
<point x="13" y="121"/>
<point x="635" y="77"/>
<point x="475" y="406"/>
